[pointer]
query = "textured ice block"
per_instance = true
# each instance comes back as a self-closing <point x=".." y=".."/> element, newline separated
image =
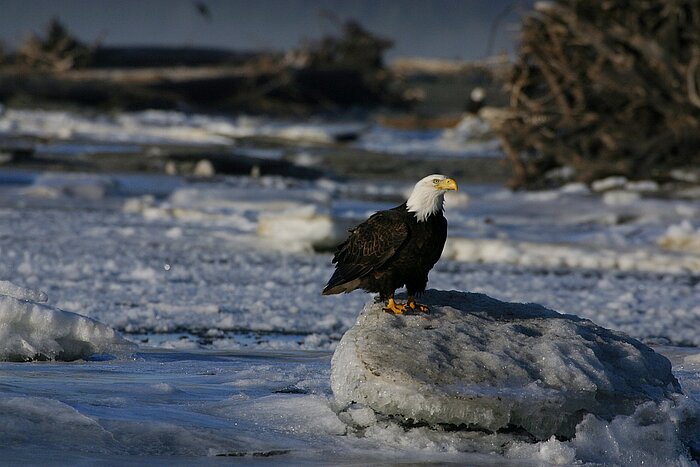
<point x="483" y="364"/>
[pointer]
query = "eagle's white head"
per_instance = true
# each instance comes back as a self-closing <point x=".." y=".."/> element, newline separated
<point x="428" y="195"/>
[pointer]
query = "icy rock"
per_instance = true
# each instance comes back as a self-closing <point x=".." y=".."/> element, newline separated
<point x="35" y="331"/>
<point x="483" y="364"/>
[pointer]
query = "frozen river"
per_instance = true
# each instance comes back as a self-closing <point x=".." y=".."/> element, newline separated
<point x="233" y="339"/>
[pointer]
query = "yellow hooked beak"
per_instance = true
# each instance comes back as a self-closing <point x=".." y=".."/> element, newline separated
<point x="447" y="184"/>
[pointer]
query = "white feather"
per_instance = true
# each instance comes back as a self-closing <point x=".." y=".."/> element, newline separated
<point x="426" y="199"/>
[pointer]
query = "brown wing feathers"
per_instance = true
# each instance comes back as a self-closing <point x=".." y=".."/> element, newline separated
<point x="369" y="246"/>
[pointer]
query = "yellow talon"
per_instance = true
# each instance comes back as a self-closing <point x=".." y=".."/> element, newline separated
<point x="400" y="308"/>
<point x="417" y="306"/>
<point x="393" y="307"/>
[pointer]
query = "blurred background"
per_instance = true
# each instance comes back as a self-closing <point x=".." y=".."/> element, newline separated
<point x="450" y="29"/>
<point x="530" y="94"/>
<point x="387" y="79"/>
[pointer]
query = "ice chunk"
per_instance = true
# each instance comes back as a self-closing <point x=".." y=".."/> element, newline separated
<point x="88" y="187"/>
<point x="608" y="183"/>
<point x="649" y="436"/>
<point x="204" y="168"/>
<point x="506" y="251"/>
<point x="306" y="226"/>
<point x="470" y="128"/>
<point x="683" y="236"/>
<point x="550" y="451"/>
<point x="31" y="330"/>
<point x="20" y="293"/>
<point x="480" y="363"/>
<point x="621" y="197"/>
<point x="26" y="419"/>
<point x="655" y="434"/>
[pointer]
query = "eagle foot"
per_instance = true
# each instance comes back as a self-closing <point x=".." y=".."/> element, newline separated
<point x="395" y="308"/>
<point x="417" y="306"/>
<point x="401" y="308"/>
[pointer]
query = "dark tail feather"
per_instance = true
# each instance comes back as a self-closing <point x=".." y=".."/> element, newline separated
<point x="328" y="290"/>
<point x="338" y="284"/>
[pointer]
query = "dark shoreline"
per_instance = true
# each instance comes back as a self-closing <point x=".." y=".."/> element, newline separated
<point x="337" y="161"/>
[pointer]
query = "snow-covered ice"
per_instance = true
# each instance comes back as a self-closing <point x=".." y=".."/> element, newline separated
<point x="150" y="127"/>
<point x="495" y="250"/>
<point x="469" y="138"/>
<point x="163" y="254"/>
<point x="78" y="133"/>
<point x="85" y="186"/>
<point x="158" y="127"/>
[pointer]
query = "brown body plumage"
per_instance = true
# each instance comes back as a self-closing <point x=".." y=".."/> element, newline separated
<point x="395" y="248"/>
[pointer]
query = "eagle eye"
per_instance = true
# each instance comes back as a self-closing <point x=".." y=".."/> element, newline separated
<point x="436" y="181"/>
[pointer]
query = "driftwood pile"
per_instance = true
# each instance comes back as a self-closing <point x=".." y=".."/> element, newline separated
<point x="605" y="87"/>
<point x="57" y="51"/>
<point x="336" y="72"/>
<point x="343" y="70"/>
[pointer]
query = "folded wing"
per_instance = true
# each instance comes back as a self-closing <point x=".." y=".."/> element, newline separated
<point x="369" y="247"/>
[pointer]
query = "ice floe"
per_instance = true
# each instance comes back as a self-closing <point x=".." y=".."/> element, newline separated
<point x="478" y="364"/>
<point x="32" y="330"/>
<point x="486" y="364"/>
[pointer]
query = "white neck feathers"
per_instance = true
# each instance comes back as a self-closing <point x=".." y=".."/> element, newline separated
<point x="425" y="202"/>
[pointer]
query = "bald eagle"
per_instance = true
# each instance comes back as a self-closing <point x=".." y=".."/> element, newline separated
<point x="395" y="248"/>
